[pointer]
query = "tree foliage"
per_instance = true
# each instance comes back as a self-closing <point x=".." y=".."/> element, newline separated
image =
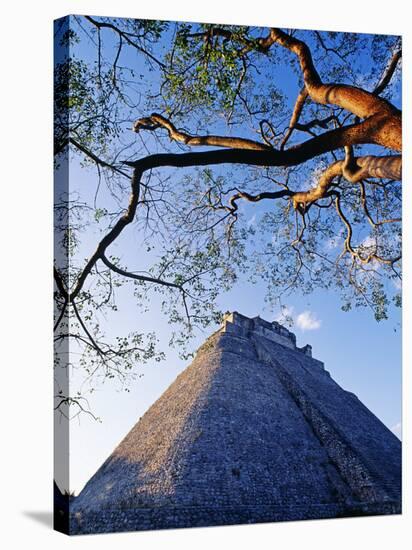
<point x="267" y="153"/>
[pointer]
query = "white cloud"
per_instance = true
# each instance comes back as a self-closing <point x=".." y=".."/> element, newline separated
<point x="308" y="321"/>
<point x="397" y="430"/>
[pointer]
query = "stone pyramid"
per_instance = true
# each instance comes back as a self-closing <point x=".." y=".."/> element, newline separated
<point x="254" y="430"/>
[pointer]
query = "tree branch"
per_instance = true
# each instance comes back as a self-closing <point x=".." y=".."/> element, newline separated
<point x="59" y="283"/>
<point x="147" y="279"/>
<point x="348" y="241"/>
<point x="373" y="223"/>
<point x="125" y="36"/>
<point x="112" y="234"/>
<point x="361" y="103"/>
<point x="388" y="73"/>
<point x="256" y="198"/>
<point x="354" y="170"/>
<point x="96" y="159"/>
<point x="158" y="121"/>
<point x="381" y="126"/>
<point x="136" y="276"/>
<point x="363" y="132"/>
<point x="299" y="104"/>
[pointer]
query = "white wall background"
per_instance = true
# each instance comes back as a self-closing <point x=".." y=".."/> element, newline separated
<point x="26" y="282"/>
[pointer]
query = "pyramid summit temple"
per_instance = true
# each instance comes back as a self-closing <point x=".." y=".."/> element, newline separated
<point x="254" y="430"/>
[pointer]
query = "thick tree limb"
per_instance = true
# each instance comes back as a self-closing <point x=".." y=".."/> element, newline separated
<point x="363" y="132"/>
<point x="158" y="121"/>
<point x="381" y="125"/>
<point x="334" y="139"/>
<point x="361" y="103"/>
<point x="354" y="170"/>
<point x="387" y="129"/>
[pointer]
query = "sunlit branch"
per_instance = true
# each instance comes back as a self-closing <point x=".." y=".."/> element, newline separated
<point x="300" y="102"/>
<point x="361" y="103"/>
<point x="155" y="121"/>
<point x="354" y="170"/>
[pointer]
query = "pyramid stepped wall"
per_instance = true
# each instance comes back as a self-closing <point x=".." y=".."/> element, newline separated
<point x="254" y="430"/>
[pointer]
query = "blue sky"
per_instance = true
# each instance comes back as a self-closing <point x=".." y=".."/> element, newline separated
<point x="363" y="356"/>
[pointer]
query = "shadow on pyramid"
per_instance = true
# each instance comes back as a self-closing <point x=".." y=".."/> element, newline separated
<point x="254" y="430"/>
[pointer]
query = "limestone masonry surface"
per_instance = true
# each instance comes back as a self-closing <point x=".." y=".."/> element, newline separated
<point x="254" y="430"/>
